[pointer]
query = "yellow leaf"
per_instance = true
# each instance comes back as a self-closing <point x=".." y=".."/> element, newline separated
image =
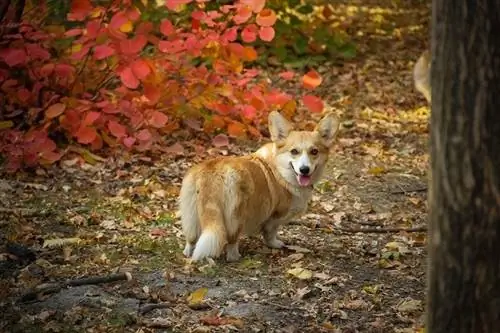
<point x="300" y="273"/>
<point x="376" y="171"/>
<point x="197" y="297"/>
<point x="6" y="124"/>
<point x="58" y="242"/>
<point x="127" y="27"/>
<point x="76" y="48"/>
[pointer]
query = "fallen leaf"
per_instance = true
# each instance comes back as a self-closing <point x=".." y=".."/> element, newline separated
<point x="196" y="299"/>
<point x="298" y="249"/>
<point x="300" y="273"/>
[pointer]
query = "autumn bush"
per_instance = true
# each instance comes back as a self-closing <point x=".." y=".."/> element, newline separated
<point x="127" y="73"/>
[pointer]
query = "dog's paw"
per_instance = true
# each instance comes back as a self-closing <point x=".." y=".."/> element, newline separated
<point x="233" y="254"/>
<point x="188" y="250"/>
<point x="275" y="244"/>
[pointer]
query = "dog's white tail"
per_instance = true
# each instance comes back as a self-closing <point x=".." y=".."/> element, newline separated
<point x="210" y="244"/>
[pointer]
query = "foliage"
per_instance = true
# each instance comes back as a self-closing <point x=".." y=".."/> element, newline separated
<point x="305" y="35"/>
<point x="127" y="73"/>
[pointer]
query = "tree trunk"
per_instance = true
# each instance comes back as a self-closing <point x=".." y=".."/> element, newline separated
<point x="464" y="235"/>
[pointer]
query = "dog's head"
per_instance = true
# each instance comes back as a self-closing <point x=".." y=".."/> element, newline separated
<point x="300" y="156"/>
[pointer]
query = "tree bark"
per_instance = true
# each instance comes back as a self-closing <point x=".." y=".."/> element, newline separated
<point x="464" y="226"/>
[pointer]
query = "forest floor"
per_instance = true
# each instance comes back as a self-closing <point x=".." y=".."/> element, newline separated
<point x="355" y="262"/>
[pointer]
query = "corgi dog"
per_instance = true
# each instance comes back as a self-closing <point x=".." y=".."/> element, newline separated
<point x="223" y="198"/>
<point x="421" y="75"/>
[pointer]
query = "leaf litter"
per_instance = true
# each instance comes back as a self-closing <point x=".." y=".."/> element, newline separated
<point x="99" y="217"/>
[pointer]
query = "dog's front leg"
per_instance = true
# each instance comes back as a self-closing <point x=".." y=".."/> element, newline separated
<point x="270" y="233"/>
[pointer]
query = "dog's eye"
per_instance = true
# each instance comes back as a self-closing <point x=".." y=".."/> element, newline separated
<point x="314" y="151"/>
<point x="294" y="151"/>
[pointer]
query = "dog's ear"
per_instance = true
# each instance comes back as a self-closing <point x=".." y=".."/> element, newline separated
<point x="279" y="127"/>
<point x="327" y="128"/>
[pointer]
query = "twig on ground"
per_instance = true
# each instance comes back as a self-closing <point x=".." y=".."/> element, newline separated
<point x="50" y="288"/>
<point x="383" y="230"/>
<point x="153" y="306"/>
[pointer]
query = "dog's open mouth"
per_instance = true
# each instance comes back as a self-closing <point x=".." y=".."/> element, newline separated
<point x="303" y="180"/>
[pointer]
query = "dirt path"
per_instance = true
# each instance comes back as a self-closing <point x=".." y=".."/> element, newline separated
<point x="121" y="217"/>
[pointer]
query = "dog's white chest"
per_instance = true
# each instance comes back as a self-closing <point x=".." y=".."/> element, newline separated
<point x="299" y="204"/>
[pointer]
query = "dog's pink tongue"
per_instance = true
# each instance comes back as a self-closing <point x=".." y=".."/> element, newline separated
<point x="304" y="180"/>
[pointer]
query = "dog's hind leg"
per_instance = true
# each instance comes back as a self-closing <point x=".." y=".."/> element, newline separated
<point x="189" y="214"/>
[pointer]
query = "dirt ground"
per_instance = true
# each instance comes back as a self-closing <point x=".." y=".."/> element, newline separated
<point x="354" y="263"/>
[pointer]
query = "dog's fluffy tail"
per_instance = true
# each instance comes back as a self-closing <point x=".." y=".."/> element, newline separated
<point x="211" y="241"/>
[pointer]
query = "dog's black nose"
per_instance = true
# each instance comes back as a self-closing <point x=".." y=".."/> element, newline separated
<point x="304" y="170"/>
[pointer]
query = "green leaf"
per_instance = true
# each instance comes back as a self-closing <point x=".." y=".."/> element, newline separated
<point x="306" y="9"/>
<point x="300" y="45"/>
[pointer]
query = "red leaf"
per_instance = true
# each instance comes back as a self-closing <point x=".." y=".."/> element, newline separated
<point x="80" y="9"/>
<point x="47" y="69"/>
<point x="73" y="32"/>
<point x="249" y="111"/>
<point x="175" y="46"/>
<point x="249" y="33"/>
<point x="103" y="51"/>
<point x="35" y="51"/>
<point x="128" y="78"/>
<point x="313" y="103"/>
<point x="158" y="119"/>
<point x="133" y="45"/>
<point x="86" y="135"/>
<point x="14" y="57"/>
<point x="311" y="79"/>
<point x="176" y="148"/>
<point x="90" y="118"/>
<point x="140" y="68"/>
<point x="144" y="135"/>
<point x="266" y="33"/>
<point x="55" y="110"/>
<point x="64" y="70"/>
<point x="230" y="35"/>
<point x="118" y="20"/>
<point x="50" y="157"/>
<point x="23" y="94"/>
<point x="220" y="140"/>
<point x="266" y="18"/>
<point x="243" y="14"/>
<point x="129" y="141"/>
<point x="166" y="27"/>
<point x="288" y="75"/>
<point x="93" y="28"/>
<point x="117" y="129"/>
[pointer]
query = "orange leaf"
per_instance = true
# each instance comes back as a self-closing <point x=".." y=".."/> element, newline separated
<point x="249" y="53"/>
<point x="248" y="111"/>
<point x="118" y="20"/>
<point x="255" y="5"/>
<point x="55" y="110"/>
<point x="152" y="92"/>
<point x="311" y="79"/>
<point x="266" y="18"/>
<point x="236" y="129"/>
<point x="266" y="33"/>
<point x="313" y="103"/>
<point x="158" y="119"/>
<point x="117" y="129"/>
<point x="86" y="135"/>
<point x="243" y="14"/>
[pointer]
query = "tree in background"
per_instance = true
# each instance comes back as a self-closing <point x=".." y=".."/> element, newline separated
<point x="464" y="288"/>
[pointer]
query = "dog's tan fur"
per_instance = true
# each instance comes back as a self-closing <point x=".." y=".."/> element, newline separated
<point x="225" y="197"/>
